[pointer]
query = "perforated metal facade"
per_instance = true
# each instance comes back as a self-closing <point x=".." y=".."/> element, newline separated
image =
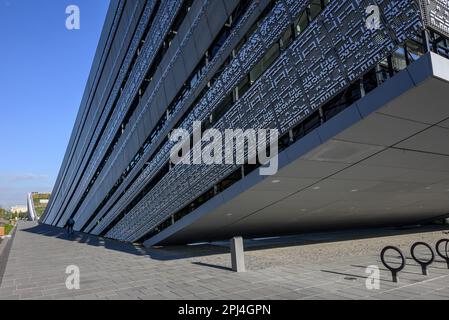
<point x="97" y="185"/>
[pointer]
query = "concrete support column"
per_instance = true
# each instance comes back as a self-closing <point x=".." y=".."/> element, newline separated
<point x="237" y="254"/>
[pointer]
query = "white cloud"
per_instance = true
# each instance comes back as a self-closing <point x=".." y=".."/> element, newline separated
<point x="23" y="177"/>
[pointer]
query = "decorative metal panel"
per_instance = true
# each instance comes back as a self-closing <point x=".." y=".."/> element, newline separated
<point x="336" y="49"/>
<point x="203" y="107"/>
<point x="162" y="22"/>
<point x="436" y="15"/>
<point x="57" y="197"/>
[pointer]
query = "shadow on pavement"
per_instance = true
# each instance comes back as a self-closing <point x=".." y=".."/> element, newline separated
<point x="349" y="275"/>
<point x="163" y="253"/>
<point x="216" y="266"/>
<point x="207" y="249"/>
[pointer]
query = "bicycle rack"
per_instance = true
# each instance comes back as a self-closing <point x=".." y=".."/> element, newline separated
<point x="424" y="264"/>
<point x="394" y="271"/>
<point x="445" y="256"/>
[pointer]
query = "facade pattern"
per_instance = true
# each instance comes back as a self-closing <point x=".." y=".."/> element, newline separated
<point x="330" y="54"/>
<point x="306" y="78"/>
<point x="57" y="203"/>
<point x="148" y="52"/>
<point x="436" y="15"/>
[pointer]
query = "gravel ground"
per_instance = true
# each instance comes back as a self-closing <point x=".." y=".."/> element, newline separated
<point x="309" y="250"/>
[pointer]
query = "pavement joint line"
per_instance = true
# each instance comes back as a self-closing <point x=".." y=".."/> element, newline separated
<point x="416" y="283"/>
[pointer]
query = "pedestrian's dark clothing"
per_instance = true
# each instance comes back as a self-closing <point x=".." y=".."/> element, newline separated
<point x="69" y="225"/>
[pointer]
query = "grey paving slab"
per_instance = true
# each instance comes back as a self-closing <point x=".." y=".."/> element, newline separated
<point x="39" y="256"/>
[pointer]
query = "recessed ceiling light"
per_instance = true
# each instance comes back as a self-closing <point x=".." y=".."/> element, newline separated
<point x="354" y="190"/>
<point x="276" y="181"/>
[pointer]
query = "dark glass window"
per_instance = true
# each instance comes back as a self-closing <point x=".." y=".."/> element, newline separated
<point x="414" y="50"/>
<point x="243" y="86"/>
<point x="265" y="62"/>
<point x="315" y="9"/>
<point x="222" y="107"/>
<point x="286" y="39"/>
<point x="219" y="42"/>
<point x="398" y="59"/>
<point x="301" y="23"/>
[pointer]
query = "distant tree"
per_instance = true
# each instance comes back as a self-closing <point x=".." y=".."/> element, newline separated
<point x="6" y="215"/>
<point x="2" y="213"/>
<point x="23" y="215"/>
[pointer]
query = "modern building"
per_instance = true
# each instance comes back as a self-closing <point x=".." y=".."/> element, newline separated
<point x="358" y="90"/>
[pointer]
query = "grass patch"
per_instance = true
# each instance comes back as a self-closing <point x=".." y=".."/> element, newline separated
<point x="8" y="228"/>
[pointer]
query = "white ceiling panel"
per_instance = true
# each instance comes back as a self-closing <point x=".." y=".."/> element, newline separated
<point x="381" y="130"/>
<point x="311" y="169"/>
<point x="434" y="140"/>
<point x="410" y="160"/>
<point x="427" y="103"/>
<point x="342" y="152"/>
<point x="283" y="184"/>
<point x="444" y="124"/>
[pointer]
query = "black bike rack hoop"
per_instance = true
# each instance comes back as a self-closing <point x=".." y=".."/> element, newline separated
<point x="394" y="271"/>
<point x="444" y="255"/>
<point x="424" y="264"/>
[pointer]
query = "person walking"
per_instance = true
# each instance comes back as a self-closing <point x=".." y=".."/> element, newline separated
<point x="70" y="224"/>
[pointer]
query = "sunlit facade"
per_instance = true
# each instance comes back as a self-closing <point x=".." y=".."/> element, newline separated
<point x="328" y="74"/>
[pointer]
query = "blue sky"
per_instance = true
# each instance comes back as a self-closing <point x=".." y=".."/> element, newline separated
<point x="43" y="71"/>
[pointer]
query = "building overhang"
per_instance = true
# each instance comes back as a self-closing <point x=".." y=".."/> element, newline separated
<point x="382" y="161"/>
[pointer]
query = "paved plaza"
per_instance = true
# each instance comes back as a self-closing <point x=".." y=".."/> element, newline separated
<point x="318" y="266"/>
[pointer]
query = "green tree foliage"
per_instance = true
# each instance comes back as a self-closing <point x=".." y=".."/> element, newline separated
<point x="7" y="215"/>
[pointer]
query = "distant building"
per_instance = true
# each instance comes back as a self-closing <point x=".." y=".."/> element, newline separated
<point x="19" y="209"/>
